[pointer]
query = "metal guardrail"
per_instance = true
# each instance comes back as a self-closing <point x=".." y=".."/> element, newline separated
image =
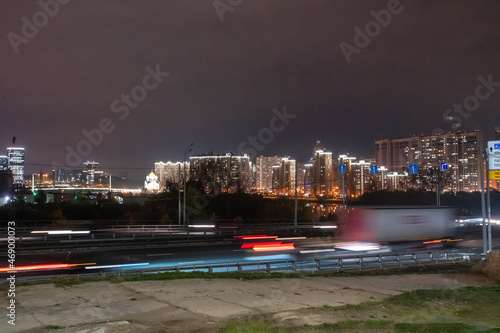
<point x="334" y="263"/>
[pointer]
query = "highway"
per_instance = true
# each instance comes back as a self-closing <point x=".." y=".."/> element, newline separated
<point x="231" y="249"/>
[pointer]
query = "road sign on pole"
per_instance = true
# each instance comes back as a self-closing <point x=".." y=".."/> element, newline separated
<point x="413" y="168"/>
<point x="494" y="155"/>
<point x="443" y="166"/>
<point x="495" y="175"/>
<point x="341" y="168"/>
<point x="373" y="170"/>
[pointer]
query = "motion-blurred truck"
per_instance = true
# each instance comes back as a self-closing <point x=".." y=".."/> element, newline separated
<point x="424" y="225"/>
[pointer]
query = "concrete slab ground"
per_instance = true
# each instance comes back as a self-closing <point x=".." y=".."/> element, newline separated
<point x="200" y="305"/>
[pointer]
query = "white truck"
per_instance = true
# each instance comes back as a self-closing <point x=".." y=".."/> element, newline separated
<point x="399" y="224"/>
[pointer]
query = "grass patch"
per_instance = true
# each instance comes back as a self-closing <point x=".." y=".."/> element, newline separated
<point x="434" y="328"/>
<point x="426" y="311"/>
<point x="252" y="325"/>
<point x="53" y="327"/>
<point x="468" y="303"/>
<point x="361" y="306"/>
<point x="357" y="324"/>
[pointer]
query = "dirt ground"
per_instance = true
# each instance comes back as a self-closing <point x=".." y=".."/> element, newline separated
<point x="202" y="305"/>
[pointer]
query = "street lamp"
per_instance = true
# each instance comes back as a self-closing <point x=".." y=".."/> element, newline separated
<point x="188" y="150"/>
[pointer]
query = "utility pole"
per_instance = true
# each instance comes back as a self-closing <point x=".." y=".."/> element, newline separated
<point x="344" y="197"/>
<point x="188" y="150"/>
<point x="483" y="200"/>
<point x="179" y="192"/>
<point x="295" y="213"/>
<point x="488" y="197"/>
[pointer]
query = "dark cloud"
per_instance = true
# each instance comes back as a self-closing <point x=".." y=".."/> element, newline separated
<point x="226" y="77"/>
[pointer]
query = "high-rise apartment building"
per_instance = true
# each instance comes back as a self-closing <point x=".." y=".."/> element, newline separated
<point x="308" y="179"/>
<point x="345" y="181"/>
<point x="15" y="156"/>
<point x="171" y="172"/>
<point x="301" y="177"/>
<point x="286" y="172"/>
<point x="461" y="150"/>
<point x="322" y="171"/>
<point x="264" y="172"/>
<point x="222" y="173"/>
<point x="362" y="180"/>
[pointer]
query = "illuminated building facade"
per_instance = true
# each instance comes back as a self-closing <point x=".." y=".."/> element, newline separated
<point x="381" y="180"/>
<point x="42" y="179"/>
<point x="276" y="179"/>
<point x="301" y="174"/>
<point x="461" y="150"/>
<point x="286" y="174"/>
<point x="322" y="171"/>
<point x="222" y="173"/>
<point x="362" y="180"/>
<point x="264" y="172"/>
<point x="346" y="178"/>
<point x="15" y="156"/>
<point x="171" y="172"/>
<point x="91" y="172"/>
<point x="308" y="179"/>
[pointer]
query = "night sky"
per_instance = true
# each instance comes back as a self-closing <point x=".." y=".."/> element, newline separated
<point x="226" y="76"/>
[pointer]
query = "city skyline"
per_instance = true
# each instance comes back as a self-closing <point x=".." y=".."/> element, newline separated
<point x="196" y="78"/>
<point x="321" y="176"/>
<point x="319" y="147"/>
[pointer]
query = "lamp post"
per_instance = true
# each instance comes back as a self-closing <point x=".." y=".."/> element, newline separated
<point x="188" y="150"/>
<point x="295" y="213"/>
<point x="179" y="192"/>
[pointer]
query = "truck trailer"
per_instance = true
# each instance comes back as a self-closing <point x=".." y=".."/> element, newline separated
<point x="399" y="224"/>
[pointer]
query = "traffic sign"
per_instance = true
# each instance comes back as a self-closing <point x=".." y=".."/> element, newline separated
<point x="413" y="168"/>
<point x="341" y="168"/>
<point x="494" y="155"/>
<point x="373" y="170"/>
<point x="444" y="166"/>
<point x="495" y="175"/>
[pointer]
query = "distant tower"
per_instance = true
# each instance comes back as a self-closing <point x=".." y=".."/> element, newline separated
<point x="91" y="165"/>
<point x="15" y="156"/>
<point x="319" y="146"/>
